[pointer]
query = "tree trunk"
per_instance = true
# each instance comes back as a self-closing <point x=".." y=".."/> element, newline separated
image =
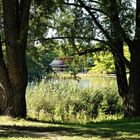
<point x="120" y="70"/>
<point x="6" y="99"/>
<point x="130" y="93"/>
<point x="13" y="82"/>
<point x="121" y="76"/>
<point x="132" y="99"/>
<point x="17" y="73"/>
<point x="13" y="74"/>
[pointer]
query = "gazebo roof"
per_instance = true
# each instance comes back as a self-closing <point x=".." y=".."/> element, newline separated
<point x="57" y="63"/>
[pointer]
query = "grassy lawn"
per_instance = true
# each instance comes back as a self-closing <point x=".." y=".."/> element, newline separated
<point x="13" y="129"/>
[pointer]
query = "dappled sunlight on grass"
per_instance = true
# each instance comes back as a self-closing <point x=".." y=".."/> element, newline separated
<point x="16" y="129"/>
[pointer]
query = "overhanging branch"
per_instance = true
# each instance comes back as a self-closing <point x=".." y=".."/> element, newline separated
<point x="91" y="8"/>
<point x="94" y="19"/>
<point x="71" y="37"/>
<point x="92" y="50"/>
<point x="127" y="63"/>
<point x="89" y="50"/>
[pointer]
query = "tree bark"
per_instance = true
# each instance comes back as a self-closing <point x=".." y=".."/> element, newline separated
<point x="6" y="99"/>
<point x="17" y="73"/>
<point x="13" y="82"/>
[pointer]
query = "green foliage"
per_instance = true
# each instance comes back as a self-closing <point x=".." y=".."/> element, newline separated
<point x="103" y="62"/>
<point x="38" y="60"/>
<point x="78" y="64"/>
<point x="126" y="52"/>
<point x="111" y="103"/>
<point x="68" y="101"/>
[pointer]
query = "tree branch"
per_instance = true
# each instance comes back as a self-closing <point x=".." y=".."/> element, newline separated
<point x="114" y="17"/>
<point x="89" y="51"/>
<point x="71" y="37"/>
<point x="95" y="1"/>
<point x="91" y="8"/>
<point x="110" y="42"/>
<point x="94" y="19"/>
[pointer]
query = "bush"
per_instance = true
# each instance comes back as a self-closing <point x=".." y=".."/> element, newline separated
<point x="112" y="103"/>
<point x="67" y="101"/>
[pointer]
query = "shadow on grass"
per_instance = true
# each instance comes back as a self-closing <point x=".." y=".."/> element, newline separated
<point x="112" y="130"/>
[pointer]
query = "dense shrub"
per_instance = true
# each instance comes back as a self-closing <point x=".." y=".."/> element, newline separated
<point x="68" y="101"/>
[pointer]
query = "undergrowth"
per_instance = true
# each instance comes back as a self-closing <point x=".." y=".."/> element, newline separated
<point x="66" y="101"/>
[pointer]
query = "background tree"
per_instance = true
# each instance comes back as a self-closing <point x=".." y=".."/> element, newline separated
<point x="38" y="61"/>
<point x="131" y="95"/>
<point x="108" y="19"/>
<point x="81" y="28"/>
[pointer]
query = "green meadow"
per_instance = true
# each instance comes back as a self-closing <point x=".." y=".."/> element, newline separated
<point x="15" y="129"/>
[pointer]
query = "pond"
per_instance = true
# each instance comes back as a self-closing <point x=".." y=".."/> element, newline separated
<point x="97" y="81"/>
<point x="85" y="81"/>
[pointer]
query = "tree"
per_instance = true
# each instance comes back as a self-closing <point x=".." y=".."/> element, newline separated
<point x="109" y="17"/>
<point x="13" y="72"/>
<point x="81" y="27"/>
<point x="129" y="91"/>
<point x="38" y="61"/>
<point x="114" y="25"/>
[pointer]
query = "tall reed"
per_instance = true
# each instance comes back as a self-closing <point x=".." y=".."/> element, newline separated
<point x="69" y="101"/>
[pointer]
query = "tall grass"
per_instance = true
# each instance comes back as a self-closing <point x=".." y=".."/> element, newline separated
<point x="68" y="101"/>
